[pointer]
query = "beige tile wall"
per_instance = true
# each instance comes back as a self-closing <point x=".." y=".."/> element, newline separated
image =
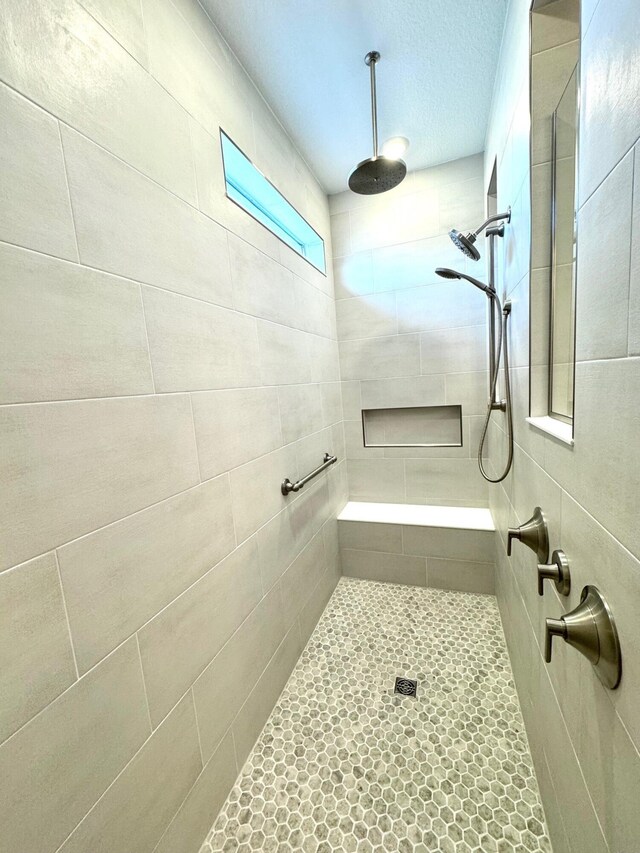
<point x="408" y="337"/>
<point x="166" y="363"/>
<point x="440" y="557"/>
<point x="585" y="740"/>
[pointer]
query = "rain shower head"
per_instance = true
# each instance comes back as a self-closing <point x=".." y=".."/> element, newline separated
<point x="376" y="174"/>
<point x="465" y="243"/>
<point x="445" y="272"/>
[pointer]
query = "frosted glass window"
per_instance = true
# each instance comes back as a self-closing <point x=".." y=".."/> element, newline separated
<point x="248" y="188"/>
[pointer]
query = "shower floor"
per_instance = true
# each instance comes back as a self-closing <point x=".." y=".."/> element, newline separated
<point x="343" y="764"/>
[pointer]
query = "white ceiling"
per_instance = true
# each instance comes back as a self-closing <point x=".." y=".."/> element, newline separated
<point x="435" y="77"/>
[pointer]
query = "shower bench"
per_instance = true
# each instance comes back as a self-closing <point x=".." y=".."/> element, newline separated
<point x="448" y="547"/>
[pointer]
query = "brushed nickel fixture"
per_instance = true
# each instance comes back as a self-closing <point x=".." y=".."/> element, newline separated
<point x="465" y="242"/>
<point x="498" y="338"/>
<point x="534" y="534"/>
<point x="591" y="629"/>
<point x="287" y="486"/>
<point x="376" y="174"/>
<point x="557" y="571"/>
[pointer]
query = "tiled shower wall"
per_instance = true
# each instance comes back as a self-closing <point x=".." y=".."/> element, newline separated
<point x="408" y="337"/>
<point x="584" y="739"/>
<point x="166" y="362"/>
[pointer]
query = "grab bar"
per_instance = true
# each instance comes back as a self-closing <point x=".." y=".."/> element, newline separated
<point x="287" y="486"/>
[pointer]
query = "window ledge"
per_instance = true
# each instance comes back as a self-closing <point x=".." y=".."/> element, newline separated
<point x="563" y="432"/>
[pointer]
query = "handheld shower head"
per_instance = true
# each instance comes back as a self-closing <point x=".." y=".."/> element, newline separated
<point x="445" y="272"/>
<point x="465" y="242"/>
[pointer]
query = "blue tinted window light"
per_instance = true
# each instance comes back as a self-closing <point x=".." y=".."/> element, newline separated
<point x="249" y="188"/>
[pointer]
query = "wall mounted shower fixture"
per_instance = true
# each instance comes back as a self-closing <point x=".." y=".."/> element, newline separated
<point x="533" y="533"/>
<point x="465" y="242"/>
<point x="590" y="628"/>
<point x="498" y="341"/>
<point x="557" y="571"/>
<point x="376" y="174"/>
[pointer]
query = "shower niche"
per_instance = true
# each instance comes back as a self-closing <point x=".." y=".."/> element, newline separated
<point x="413" y="426"/>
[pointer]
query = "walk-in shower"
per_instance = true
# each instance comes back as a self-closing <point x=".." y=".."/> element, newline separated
<point x="498" y="339"/>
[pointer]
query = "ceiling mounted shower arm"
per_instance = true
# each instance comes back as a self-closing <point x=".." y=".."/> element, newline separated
<point x="376" y="174"/>
<point x="370" y="59"/>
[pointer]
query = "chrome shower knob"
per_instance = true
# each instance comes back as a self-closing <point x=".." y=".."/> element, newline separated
<point x="557" y="571"/>
<point x="589" y="628"/>
<point x="534" y="534"/>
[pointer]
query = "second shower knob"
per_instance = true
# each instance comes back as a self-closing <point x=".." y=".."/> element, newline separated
<point x="557" y="571"/>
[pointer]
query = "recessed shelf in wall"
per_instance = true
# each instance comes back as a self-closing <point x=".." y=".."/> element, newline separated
<point x="413" y="426"/>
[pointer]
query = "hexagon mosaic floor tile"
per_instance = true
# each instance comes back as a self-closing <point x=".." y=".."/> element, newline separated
<point x="345" y="764"/>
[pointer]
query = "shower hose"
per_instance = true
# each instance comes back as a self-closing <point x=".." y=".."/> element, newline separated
<point x="504" y="349"/>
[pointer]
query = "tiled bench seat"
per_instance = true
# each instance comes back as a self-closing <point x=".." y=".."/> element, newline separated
<point x="440" y="546"/>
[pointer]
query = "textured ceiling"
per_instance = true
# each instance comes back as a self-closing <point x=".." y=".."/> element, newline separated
<point x="435" y="77"/>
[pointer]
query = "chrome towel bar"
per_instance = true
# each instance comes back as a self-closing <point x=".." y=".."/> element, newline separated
<point x="287" y="486"/>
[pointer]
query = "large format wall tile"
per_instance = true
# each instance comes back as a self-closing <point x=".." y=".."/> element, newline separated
<point x="68" y="332"/>
<point x="300" y="410"/>
<point x="375" y="358"/>
<point x="584" y="738"/>
<point x="36" y="659"/>
<point x="389" y="568"/>
<point x="603" y="272"/>
<point x="608" y="113"/>
<point x="61" y="58"/>
<point x="255" y="489"/>
<point x="129" y="225"/>
<point x="284" y="355"/>
<point x="196" y="346"/>
<point x="55" y="768"/>
<point x="192" y="820"/>
<point x="225" y="423"/>
<point x="180" y="641"/>
<point x="124" y="21"/>
<point x="367" y="317"/>
<point x="129" y="277"/>
<point x="261" y="286"/>
<point x="259" y="704"/>
<point x="35" y="210"/>
<point x="121" y="576"/>
<point x="225" y="684"/>
<point x="153" y="785"/>
<point x="634" y="289"/>
<point x="69" y="468"/>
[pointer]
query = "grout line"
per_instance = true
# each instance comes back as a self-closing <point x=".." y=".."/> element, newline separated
<point x="195" y="438"/>
<point x="144" y="683"/>
<point x="195" y="713"/>
<point x="634" y="167"/>
<point x="66" y="180"/>
<point x="66" y="614"/>
<point x="146" y="336"/>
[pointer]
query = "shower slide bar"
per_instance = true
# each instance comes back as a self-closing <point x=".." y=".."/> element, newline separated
<point x="287" y="486"/>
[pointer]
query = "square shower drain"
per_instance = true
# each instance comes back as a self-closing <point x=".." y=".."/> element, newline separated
<point x="406" y="686"/>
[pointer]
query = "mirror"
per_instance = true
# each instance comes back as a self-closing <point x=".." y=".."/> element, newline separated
<point x="563" y="252"/>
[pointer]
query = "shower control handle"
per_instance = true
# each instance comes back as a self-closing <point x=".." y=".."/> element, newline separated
<point x="589" y="628"/>
<point x="533" y="533"/>
<point x="553" y="628"/>
<point x="557" y="571"/>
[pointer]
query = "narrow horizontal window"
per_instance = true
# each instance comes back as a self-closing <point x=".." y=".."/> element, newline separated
<point x="249" y="189"/>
